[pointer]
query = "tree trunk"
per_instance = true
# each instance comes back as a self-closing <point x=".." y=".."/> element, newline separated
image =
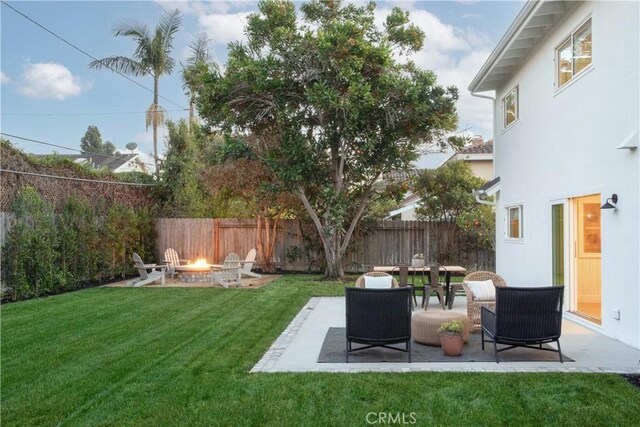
<point x="192" y="118"/>
<point x="154" y="123"/>
<point x="334" y="258"/>
<point x="266" y="241"/>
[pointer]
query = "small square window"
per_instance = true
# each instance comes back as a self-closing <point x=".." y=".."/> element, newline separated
<point x="510" y="107"/>
<point x="514" y="218"/>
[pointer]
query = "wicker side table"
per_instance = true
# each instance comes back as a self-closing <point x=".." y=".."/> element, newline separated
<point x="425" y="324"/>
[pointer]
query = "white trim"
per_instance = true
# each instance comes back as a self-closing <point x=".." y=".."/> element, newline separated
<point x="506" y="126"/>
<point x="520" y="207"/>
<point x="516" y="27"/>
<point x="630" y="142"/>
<point x="472" y="157"/>
<point x="569" y="37"/>
<point x="403" y="209"/>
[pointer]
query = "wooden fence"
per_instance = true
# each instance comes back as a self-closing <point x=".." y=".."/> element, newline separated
<point x="387" y="243"/>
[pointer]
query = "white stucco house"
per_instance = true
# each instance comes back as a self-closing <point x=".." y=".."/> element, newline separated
<point x="565" y="85"/>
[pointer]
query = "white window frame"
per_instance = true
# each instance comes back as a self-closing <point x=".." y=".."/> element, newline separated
<point x="556" y="59"/>
<point x="515" y="90"/>
<point x="508" y="209"/>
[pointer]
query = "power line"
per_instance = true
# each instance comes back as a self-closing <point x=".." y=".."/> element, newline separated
<point x="85" y="53"/>
<point x="64" y="148"/>
<point x="77" y="179"/>
<point x="106" y="113"/>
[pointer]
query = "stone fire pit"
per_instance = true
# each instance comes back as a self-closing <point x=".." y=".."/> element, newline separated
<point x="199" y="272"/>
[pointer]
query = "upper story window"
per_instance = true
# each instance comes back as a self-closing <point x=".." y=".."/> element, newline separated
<point x="510" y="107"/>
<point x="574" y="54"/>
<point x="514" y="219"/>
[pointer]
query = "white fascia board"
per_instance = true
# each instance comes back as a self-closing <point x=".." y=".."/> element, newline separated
<point x="472" y="157"/>
<point x="518" y="24"/>
<point x="403" y="209"/>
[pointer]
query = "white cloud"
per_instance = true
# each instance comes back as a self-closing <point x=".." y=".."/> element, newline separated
<point x="48" y="80"/>
<point x="455" y="54"/>
<point x="4" y="78"/>
<point x="223" y="21"/>
<point x="224" y="28"/>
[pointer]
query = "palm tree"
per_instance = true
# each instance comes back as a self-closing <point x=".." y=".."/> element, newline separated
<point x="150" y="58"/>
<point x="197" y="63"/>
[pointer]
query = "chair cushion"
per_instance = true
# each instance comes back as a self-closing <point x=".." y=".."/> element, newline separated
<point x="383" y="282"/>
<point x="482" y="290"/>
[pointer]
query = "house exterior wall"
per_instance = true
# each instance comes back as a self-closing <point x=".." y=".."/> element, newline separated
<point x="482" y="169"/>
<point x="564" y="146"/>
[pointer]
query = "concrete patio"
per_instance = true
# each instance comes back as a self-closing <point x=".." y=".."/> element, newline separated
<point x="298" y="347"/>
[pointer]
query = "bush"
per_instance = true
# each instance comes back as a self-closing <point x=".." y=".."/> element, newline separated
<point x="47" y="252"/>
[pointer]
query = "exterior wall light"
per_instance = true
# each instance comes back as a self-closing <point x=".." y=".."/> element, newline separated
<point x="610" y="203"/>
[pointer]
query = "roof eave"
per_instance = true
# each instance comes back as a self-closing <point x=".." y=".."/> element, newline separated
<point x="504" y="43"/>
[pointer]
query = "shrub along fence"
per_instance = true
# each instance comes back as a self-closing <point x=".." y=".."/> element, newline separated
<point x="47" y="251"/>
<point x="385" y="243"/>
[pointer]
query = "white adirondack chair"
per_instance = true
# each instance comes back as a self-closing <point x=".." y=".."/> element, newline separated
<point x="172" y="260"/>
<point x="247" y="265"/>
<point x="149" y="273"/>
<point x="229" y="272"/>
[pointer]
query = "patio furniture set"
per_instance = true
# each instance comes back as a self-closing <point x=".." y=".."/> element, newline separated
<point x="379" y="313"/>
<point x="227" y="274"/>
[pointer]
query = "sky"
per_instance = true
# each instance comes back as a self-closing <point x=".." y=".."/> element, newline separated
<point x="49" y="94"/>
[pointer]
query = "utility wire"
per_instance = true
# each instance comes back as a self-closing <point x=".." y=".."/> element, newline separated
<point x="85" y="53"/>
<point x="63" y="147"/>
<point x="77" y="179"/>
<point x="106" y="113"/>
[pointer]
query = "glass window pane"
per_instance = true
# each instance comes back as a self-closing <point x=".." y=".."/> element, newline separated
<point x="582" y="48"/>
<point x="511" y="107"/>
<point x="557" y="244"/>
<point x="565" y="63"/>
<point x="514" y="223"/>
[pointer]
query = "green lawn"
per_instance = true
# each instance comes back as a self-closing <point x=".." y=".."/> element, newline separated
<point x="130" y="356"/>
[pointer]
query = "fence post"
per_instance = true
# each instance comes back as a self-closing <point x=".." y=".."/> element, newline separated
<point x="216" y="241"/>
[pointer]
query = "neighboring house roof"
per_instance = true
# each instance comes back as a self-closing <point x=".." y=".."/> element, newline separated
<point x="98" y="161"/>
<point x="398" y="176"/>
<point x="482" y="150"/>
<point x="532" y="23"/>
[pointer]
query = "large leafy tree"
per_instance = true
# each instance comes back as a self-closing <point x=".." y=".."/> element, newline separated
<point x="180" y="192"/>
<point x="151" y="57"/>
<point x="91" y="142"/>
<point x="236" y="172"/>
<point x="446" y="198"/>
<point x="328" y="107"/>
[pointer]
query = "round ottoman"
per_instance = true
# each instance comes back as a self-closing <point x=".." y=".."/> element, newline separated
<point x="425" y="324"/>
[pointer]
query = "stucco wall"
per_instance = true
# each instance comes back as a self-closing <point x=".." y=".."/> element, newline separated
<point x="564" y="145"/>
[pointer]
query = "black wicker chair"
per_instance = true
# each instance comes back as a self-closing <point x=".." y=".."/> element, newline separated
<point x="378" y="318"/>
<point x="524" y="317"/>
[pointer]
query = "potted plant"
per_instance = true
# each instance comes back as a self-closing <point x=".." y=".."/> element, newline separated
<point x="417" y="260"/>
<point x="451" y="338"/>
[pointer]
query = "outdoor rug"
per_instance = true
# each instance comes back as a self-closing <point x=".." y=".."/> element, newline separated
<point x="333" y="351"/>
